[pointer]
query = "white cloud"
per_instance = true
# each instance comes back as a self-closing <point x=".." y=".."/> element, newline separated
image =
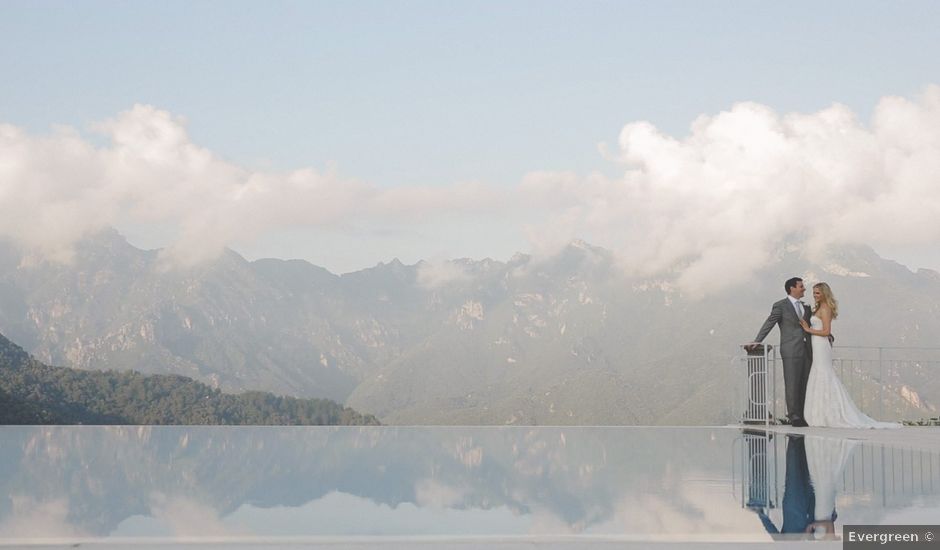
<point x="57" y="189"/>
<point x="43" y="521"/>
<point x="184" y="516"/>
<point x="437" y="273"/>
<point x="719" y="201"/>
<point x="431" y="493"/>
<point x="711" y="207"/>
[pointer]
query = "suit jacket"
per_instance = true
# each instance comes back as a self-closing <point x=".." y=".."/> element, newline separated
<point x="794" y="342"/>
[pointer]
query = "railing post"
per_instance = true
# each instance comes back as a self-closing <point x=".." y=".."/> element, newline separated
<point x="772" y="371"/>
<point x="881" y="386"/>
<point x="760" y="403"/>
<point x="884" y="490"/>
<point x="763" y="391"/>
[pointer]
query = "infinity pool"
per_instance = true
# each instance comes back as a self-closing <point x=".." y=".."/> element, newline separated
<point x="217" y="485"/>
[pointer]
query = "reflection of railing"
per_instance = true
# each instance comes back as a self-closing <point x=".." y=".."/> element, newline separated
<point x="889" y="476"/>
<point x="894" y="476"/>
<point x="882" y="381"/>
<point x="756" y="455"/>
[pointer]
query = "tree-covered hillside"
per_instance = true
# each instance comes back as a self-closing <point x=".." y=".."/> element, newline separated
<point x="34" y="393"/>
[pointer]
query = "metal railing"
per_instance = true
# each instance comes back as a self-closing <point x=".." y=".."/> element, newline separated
<point x="760" y="390"/>
<point x="883" y="381"/>
<point x="875" y="473"/>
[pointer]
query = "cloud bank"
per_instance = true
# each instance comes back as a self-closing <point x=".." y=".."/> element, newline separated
<point x="716" y="204"/>
<point x="710" y="208"/>
<point x="57" y="189"/>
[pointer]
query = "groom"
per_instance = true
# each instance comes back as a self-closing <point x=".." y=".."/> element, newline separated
<point x="795" y="348"/>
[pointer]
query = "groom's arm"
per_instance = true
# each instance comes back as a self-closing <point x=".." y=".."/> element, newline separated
<point x="772" y="319"/>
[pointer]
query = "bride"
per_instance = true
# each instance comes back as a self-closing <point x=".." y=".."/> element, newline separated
<point x="827" y="402"/>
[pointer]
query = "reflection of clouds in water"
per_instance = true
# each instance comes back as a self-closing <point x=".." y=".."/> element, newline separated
<point x="850" y="477"/>
<point x="343" y="514"/>
<point x="184" y="516"/>
<point x="913" y="516"/>
<point x="703" y="508"/>
<point x="589" y="518"/>
<point x="431" y="493"/>
<point x="546" y="521"/>
<point x="30" y="517"/>
<point x="859" y="511"/>
<point x="518" y="481"/>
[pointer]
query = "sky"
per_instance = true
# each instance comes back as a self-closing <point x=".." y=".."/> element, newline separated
<point x="349" y="133"/>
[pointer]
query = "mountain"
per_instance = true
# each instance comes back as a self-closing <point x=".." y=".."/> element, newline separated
<point x="562" y="340"/>
<point x="118" y="308"/>
<point x="34" y="393"/>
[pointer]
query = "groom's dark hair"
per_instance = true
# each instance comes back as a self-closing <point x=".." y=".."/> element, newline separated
<point x="791" y="283"/>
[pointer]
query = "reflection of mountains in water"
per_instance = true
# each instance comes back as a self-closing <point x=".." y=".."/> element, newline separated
<point x="578" y="474"/>
<point x="582" y="477"/>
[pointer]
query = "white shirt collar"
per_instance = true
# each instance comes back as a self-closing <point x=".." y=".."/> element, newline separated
<point x="793" y="300"/>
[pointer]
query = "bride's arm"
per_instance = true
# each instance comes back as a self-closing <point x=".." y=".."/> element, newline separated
<point x="826" y="316"/>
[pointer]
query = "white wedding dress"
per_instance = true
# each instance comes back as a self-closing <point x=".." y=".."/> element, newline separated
<point x="827" y="402"/>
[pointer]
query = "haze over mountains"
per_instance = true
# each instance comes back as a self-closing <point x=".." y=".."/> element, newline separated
<point x="563" y="340"/>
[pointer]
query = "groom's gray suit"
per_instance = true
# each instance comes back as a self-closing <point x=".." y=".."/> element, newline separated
<point x="795" y="350"/>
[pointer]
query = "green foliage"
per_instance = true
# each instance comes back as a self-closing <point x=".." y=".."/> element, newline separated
<point x="923" y="422"/>
<point x="34" y="393"/>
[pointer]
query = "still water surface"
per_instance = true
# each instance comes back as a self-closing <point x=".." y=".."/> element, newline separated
<point x="100" y="483"/>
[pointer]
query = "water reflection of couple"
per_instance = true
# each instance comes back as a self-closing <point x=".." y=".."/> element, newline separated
<point x="814" y="466"/>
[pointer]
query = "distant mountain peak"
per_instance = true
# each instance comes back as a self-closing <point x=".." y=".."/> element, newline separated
<point x="108" y="237"/>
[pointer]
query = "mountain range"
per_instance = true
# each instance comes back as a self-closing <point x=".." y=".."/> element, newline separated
<point x="568" y="339"/>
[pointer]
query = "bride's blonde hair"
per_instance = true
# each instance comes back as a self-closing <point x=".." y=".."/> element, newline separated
<point x="828" y="298"/>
